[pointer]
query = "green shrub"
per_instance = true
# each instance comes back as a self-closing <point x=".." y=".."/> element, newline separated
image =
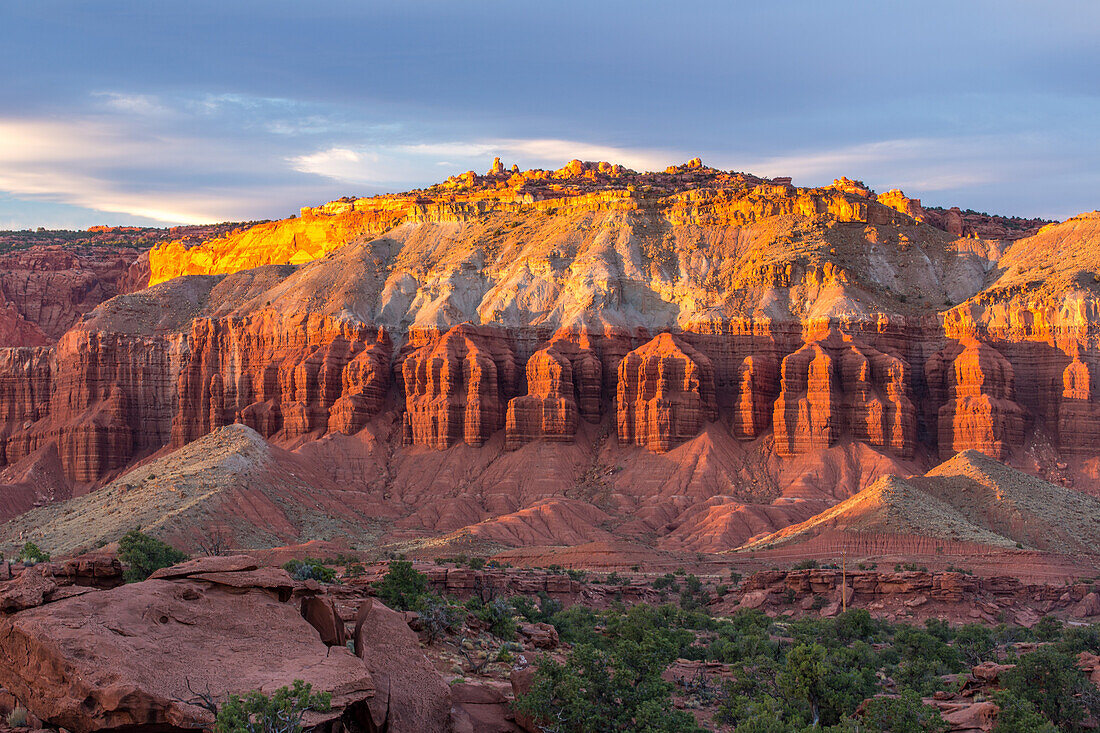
<point x="693" y="596"/>
<point x="1077" y="639"/>
<point x="438" y="616"/>
<point x="402" y="586"/>
<point x="310" y="568"/>
<point x="498" y="614"/>
<point x="1018" y="715"/>
<point x="1051" y="681"/>
<point x="280" y="713"/>
<point x="906" y="713"/>
<point x="1049" y="628"/>
<point x="669" y="581"/>
<point x="143" y="555"/>
<point x="596" y="691"/>
<point x="542" y="612"/>
<point x="975" y="643"/>
<point x="31" y="554"/>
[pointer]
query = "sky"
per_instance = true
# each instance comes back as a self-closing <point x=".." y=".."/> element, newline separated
<point x="155" y="112"/>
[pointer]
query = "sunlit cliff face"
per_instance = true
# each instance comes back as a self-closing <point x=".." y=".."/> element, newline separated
<point x="688" y="194"/>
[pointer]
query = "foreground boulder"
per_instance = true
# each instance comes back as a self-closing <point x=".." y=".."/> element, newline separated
<point x="50" y="581"/>
<point x="411" y="696"/>
<point x="141" y="655"/>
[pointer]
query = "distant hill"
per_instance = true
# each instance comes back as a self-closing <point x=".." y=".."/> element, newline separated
<point x="970" y="498"/>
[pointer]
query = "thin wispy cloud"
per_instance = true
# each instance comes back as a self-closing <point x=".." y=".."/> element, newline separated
<point x="387" y="165"/>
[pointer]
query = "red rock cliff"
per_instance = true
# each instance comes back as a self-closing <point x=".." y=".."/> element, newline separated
<point x="976" y="387"/>
<point x="457" y="387"/>
<point x="288" y="375"/>
<point x="836" y="387"/>
<point x="563" y="383"/>
<point x="665" y="394"/>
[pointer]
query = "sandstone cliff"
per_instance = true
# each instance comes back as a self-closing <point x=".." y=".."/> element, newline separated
<point x="710" y="354"/>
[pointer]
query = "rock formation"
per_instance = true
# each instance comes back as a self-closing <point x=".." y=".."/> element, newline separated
<point x="665" y="394"/>
<point x="457" y="387"/>
<point x="289" y="375"/>
<point x="45" y="289"/>
<point x="756" y="392"/>
<point x="132" y="656"/>
<point x="801" y="341"/>
<point x="410" y="695"/>
<point x="564" y="381"/>
<point x="835" y="387"/>
<point x="976" y="387"/>
<point x="1078" y="413"/>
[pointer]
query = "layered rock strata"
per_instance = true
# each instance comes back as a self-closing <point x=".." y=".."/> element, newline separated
<point x="976" y="388"/>
<point x="457" y="387"/>
<point x="836" y="387"/>
<point x="472" y="278"/>
<point x="665" y="394"/>
<point x="1078" y="413"/>
<point x="281" y="375"/>
<point x="45" y="289"/>
<point x="564" y="381"/>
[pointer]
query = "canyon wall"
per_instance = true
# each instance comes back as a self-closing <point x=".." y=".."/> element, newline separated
<point x="106" y="398"/>
<point x="533" y="303"/>
<point x="45" y="289"/>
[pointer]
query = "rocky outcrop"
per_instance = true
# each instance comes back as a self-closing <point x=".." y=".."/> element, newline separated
<point x="111" y="397"/>
<point x="25" y="386"/>
<point x="45" y="289"/>
<point x="139" y="655"/>
<point x="1078" y="413"/>
<point x="665" y="394"/>
<point x="835" y="387"/>
<point x="563" y="278"/>
<point x="410" y="695"/>
<point x="33" y="585"/>
<point x="756" y="392"/>
<point x="693" y="194"/>
<point x="281" y="375"/>
<point x="457" y="387"/>
<point x="563" y="385"/>
<point x="976" y="387"/>
<point x="313" y="234"/>
<point x="906" y="592"/>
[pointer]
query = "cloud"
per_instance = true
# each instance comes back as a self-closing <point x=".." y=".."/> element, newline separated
<point x="108" y="167"/>
<point x="340" y="164"/>
<point x="138" y="104"/>
<point x="215" y="157"/>
<point x="418" y="163"/>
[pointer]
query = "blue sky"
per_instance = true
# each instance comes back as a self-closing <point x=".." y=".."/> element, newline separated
<point x="174" y="112"/>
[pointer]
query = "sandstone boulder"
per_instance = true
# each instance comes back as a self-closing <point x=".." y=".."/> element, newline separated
<point x="411" y="696"/>
<point x="137" y="656"/>
<point x="541" y="636"/>
<point x="480" y="708"/>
